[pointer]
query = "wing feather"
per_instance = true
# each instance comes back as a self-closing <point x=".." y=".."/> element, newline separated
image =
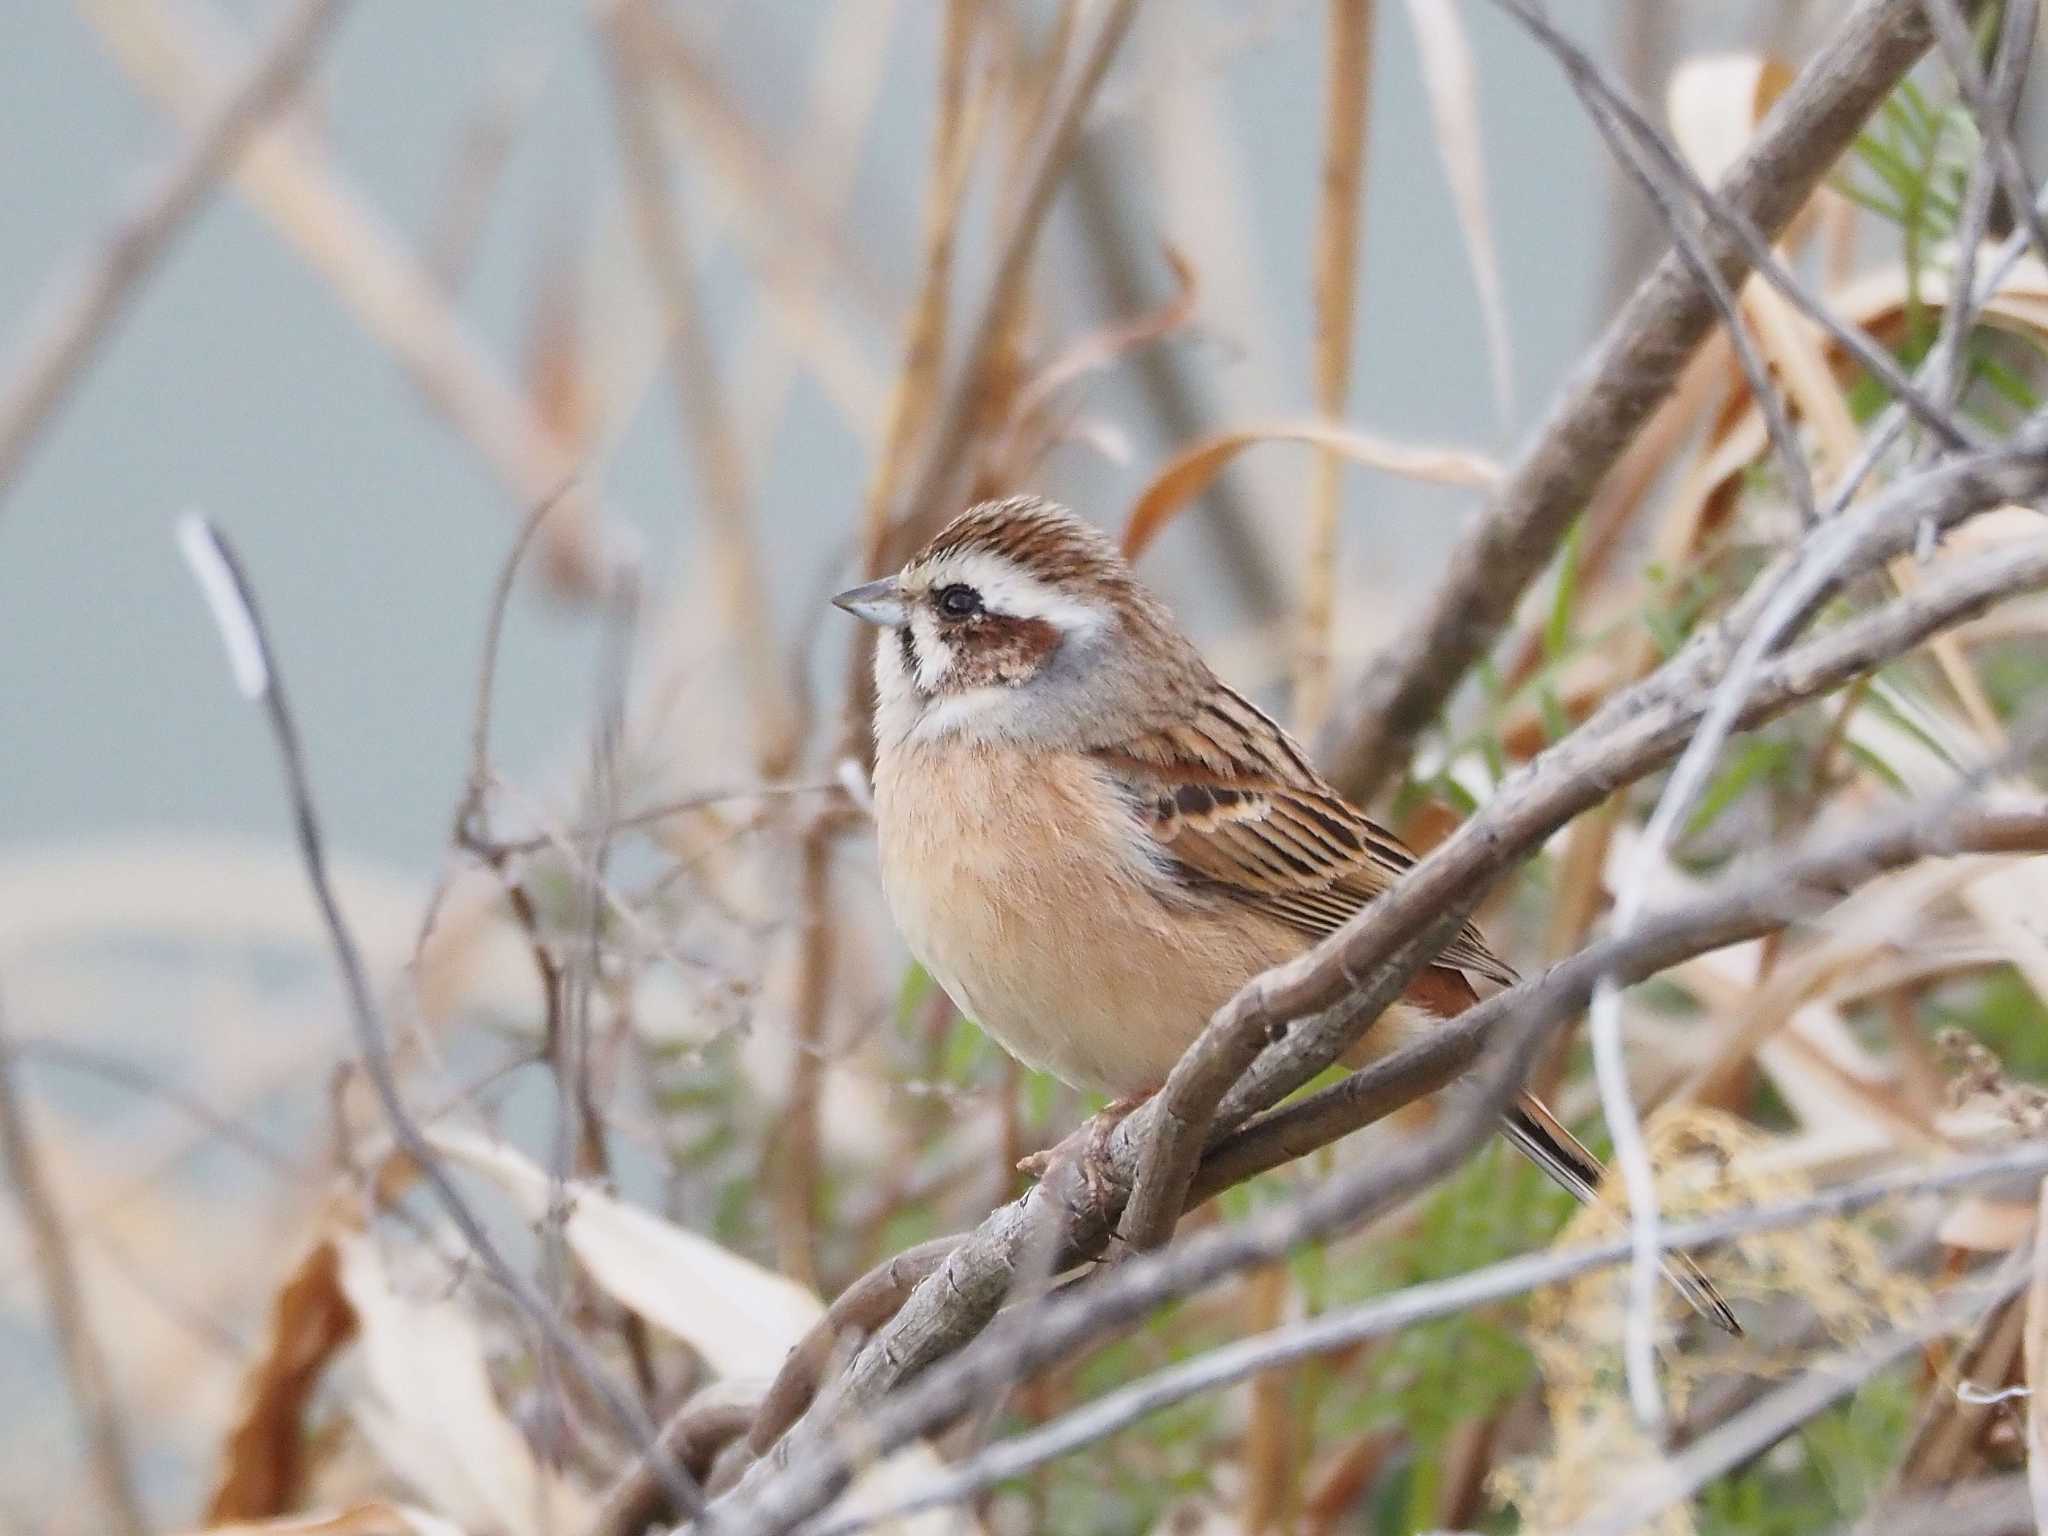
<point x="1238" y="813"/>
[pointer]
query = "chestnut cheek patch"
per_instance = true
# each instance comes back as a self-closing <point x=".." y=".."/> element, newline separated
<point x="1001" y="650"/>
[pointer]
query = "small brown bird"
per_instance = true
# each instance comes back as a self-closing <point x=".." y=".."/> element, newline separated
<point x="1091" y="842"/>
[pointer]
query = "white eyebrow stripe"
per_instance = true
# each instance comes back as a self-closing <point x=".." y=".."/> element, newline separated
<point x="1006" y="588"/>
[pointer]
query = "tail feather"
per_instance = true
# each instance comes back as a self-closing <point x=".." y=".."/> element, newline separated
<point x="1542" y="1138"/>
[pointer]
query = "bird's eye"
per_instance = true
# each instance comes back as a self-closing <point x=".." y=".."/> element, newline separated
<point x="959" y="601"/>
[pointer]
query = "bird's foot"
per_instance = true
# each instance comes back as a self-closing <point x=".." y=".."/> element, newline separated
<point x="1087" y="1147"/>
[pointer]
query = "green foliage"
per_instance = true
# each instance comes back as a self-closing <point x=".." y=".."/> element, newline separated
<point x="1824" y="1476"/>
<point x="1430" y="1378"/>
<point x="2000" y="1009"/>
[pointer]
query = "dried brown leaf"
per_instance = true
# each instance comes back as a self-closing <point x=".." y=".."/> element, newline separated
<point x="1189" y="473"/>
<point x="1982" y="1224"/>
<point x="262" y="1462"/>
<point x="1714" y="103"/>
<point x="431" y="1412"/>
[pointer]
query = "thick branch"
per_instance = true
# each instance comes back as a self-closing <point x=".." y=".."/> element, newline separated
<point x="1305" y="1340"/>
<point x="1743" y="910"/>
<point x="1520" y="1020"/>
<point x="1613" y="393"/>
<point x="1637" y="731"/>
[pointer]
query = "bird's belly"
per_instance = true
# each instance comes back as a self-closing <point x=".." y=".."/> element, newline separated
<point x="1021" y="904"/>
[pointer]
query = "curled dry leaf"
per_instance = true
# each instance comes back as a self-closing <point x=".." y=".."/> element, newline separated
<point x="373" y="1519"/>
<point x="1035" y="425"/>
<point x="1714" y="103"/>
<point x="1190" y="472"/>
<point x="430" y="1410"/>
<point x="740" y="1317"/>
<point x="743" y="1319"/>
<point x="1983" y="1224"/>
<point x="262" y="1467"/>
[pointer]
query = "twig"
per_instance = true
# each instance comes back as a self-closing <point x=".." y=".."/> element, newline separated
<point x="76" y="313"/>
<point x="1763" y="389"/>
<point x="861" y="1308"/>
<point x="1958" y="318"/>
<point x="138" y="1080"/>
<point x="469" y="827"/>
<point x="1116" y="1411"/>
<point x="1742" y="910"/>
<point x="1347" y="111"/>
<point x="681" y="805"/>
<point x="85" y="1361"/>
<point x="1614" y="391"/>
<point x="694" y="1436"/>
<point x="231" y="600"/>
<point x="1954" y="35"/>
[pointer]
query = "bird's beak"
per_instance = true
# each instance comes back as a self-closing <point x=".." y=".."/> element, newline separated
<point x="879" y="602"/>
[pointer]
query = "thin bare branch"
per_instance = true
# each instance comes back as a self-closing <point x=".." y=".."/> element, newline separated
<point x="1116" y="1411"/>
<point x="232" y="602"/>
<point x="1654" y="1489"/>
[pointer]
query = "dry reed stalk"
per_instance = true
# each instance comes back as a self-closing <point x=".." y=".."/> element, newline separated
<point x="745" y="612"/>
<point x="285" y="170"/>
<point x="1347" y="88"/>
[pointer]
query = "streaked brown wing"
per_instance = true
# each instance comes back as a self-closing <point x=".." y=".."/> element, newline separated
<point x="1239" y="812"/>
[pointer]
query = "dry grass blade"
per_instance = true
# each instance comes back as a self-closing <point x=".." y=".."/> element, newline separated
<point x="1190" y="472"/>
<point x="1033" y="424"/>
<point x="431" y="1410"/>
<point x="1452" y="84"/>
<point x="378" y="1518"/>
<point x="1347" y="86"/>
<point x="742" y="1318"/>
